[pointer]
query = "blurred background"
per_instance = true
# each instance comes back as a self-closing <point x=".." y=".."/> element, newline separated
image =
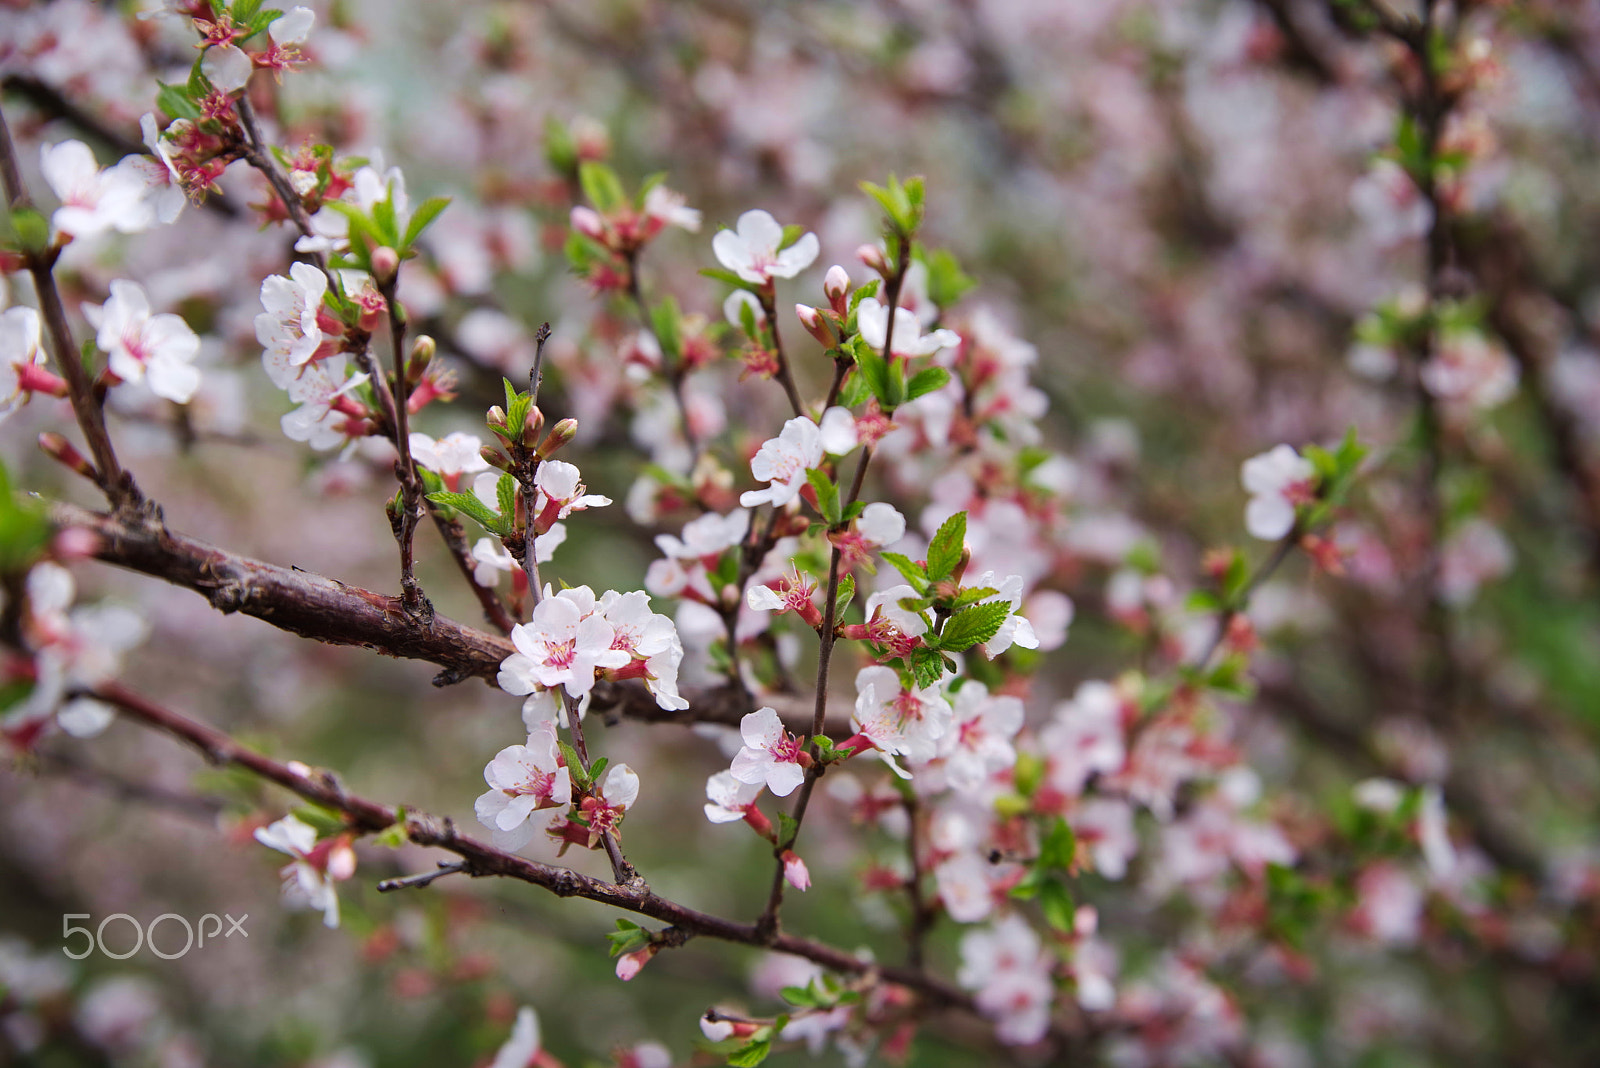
<point x="1190" y="208"/>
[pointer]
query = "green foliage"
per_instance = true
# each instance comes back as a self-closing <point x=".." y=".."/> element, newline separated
<point x="470" y="505"/>
<point x="947" y="282"/>
<point x="827" y="495"/>
<point x="944" y="551"/>
<point x="629" y="937"/>
<point x="973" y="626"/>
<point x="926" y="381"/>
<point x="902" y="204"/>
<point x="602" y="186"/>
<point x="24" y="528"/>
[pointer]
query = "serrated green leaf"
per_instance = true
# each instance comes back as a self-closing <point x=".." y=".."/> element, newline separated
<point x="469" y="504"/>
<point x="914" y="572"/>
<point x="787" y="827"/>
<point x="505" y="491"/>
<point x="927" y="667"/>
<point x="664" y="320"/>
<point x="973" y="625"/>
<point x="598" y="768"/>
<point x="802" y="996"/>
<point x="421" y="219"/>
<point x="383" y="219"/>
<point x="364" y="234"/>
<point x="264" y="19"/>
<point x="847" y="593"/>
<point x="855" y="391"/>
<point x="972" y="595"/>
<point x="926" y="381"/>
<point x="944" y="551"/>
<point x="876" y="373"/>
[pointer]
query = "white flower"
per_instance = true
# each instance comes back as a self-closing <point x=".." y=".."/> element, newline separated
<point x="308" y="881"/>
<point x="288" y="328"/>
<point x="838" y="431"/>
<point x="1474" y="554"/>
<point x="331" y="229"/>
<point x="19" y="348"/>
<point x="770" y="755"/>
<point x="523" y="778"/>
<point x="752" y="252"/>
<point x="1085" y="737"/>
<point x="1278" y="481"/>
<point x="227" y="67"/>
<point x="728" y="799"/>
<point x="139" y="344"/>
<point x="1470" y="370"/>
<point x="92" y="201"/>
<point x="670" y="208"/>
<point x="881" y="525"/>
<point x="523" y="1045"/>
<point x="1011" y="978"/>
<point x="707" y="536"/>
<point x="450" y="456"/>
<point x="564" y="644"/>
<point x="978" y="743"/>
<point x="563" y="489"/>
<point x="292" y="27"/>
<point x="492" y="559"/>
<point x="783" y="462"/>
<point x="317" y="422"/>
<point x="872" y="320"/>
<point x="899" y="722"/>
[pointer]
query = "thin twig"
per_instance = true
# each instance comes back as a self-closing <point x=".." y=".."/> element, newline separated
<point x="424" y="879"/>
<point x="769" y="305"/>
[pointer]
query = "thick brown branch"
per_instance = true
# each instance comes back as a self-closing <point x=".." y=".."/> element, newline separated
<point x="367" y="816"/>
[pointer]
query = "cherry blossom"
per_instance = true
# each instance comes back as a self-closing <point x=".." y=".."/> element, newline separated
<point x="308" y="880"/>
<point x="1010" y="974"/>
<point x="837" y="431"/>
<point x="751" y="250"/>
<point x="604" y="813"/>
<point x="1084" y="737"/>
<point x="563" y="491"/>
<point x="899" y="721"/>
<point x="728" y="799"/>
<point x="21" y="359"/>
<point x="522" y="1048"/>
<point x="93" y="200"/>
<point x="491" y="558"/>
<point x="522" y="779"/>
<point x="450" y="457"/>
<point x="564" y="644"/>
<point x="885" y="604"/>
<point x="670" y="208"/>
<point x="783" y="462"/>
<point x="324" y="417"/>
<point x="1474" y="553"/>
<point x="771" y="756"/>
<point x="872" y="319"/>
<point x="139" y="345"/>
<point x="1471" y="371"/>
<point x="978" y="743"/>
<point x="1278" y="481"/>
<point x="707" y="536"/>
<point x="289" y="329"/>
<point x="1014" y="629"/>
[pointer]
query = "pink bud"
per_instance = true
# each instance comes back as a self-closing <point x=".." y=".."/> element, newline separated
<point x="560" y="434"/>
<point x="385" y="264"/>
<point x="815" y="325"/>
<point x="715" y="1030"/>
<point x="873" y="257"/>
<point x="794" y="870"/>
<point x="587" y="222"/>
<point x="631" y="964"/>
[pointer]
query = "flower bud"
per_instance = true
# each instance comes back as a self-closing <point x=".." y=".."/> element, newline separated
<point x="63" y="451"/>
<point x="631" y="964"/>
<point x="873" y="257"/>
<point x="497" y="416"/>
<point x="560" y="434"/>
<point x="385" y="264"/>
<point x="816" y="325"/>
<point x="494" y="458"/>
<point x="836" y="285"/>
<point x="75" y="543"/>
<point x="422" y="353"/>
<point x="794" y="870"/>
<point x="532" y="425"/>
<point x="588" y="222"/>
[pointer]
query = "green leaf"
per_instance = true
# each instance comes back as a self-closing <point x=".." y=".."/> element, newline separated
<point x="24" y="528"/>
<point x="876" y="372"/>
<point x="750" y="1054"/>
<point x="176" y="103"/>
<point x="927" y="667"/>
<point x="505" y="491"/>
<point x="847" y="593"/>
<point x="598" y="768"/>
<point x="421" y="219"/>
<point x="973" y="594"/>
<point x="729" y="277"/>
<point x="469" y="504"/>
<point x="944" y="552"/>
<point x="926" y="381"/>
<point x="569" y="756"/>
<point x="947" y="283"/>
<point x="601" y="186"/>
<point x="973" y="625"/>
<point x="788" y="827"/>
<point x="264" y="19"/>
<point x="1055" y="899"/>
<point x="865" y="290"/>
<point x="855" y="391"/>
<point x="364" y="234"/>
<point x="628" y="937"/>
<point x="914" y="572"/>
<point x="1059" y="847"/>
<point x="664" y="319"/>
<point x="244" y="10"/>
<point x="384" y="220"/>
<point x="802" y="996"/>
<point x="31" y="229"/>
<point x="559" y="148"/>
<point x="827" y="495"/>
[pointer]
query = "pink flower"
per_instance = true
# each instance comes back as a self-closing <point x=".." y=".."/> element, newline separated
<point x="794" y="870"/>
<point x="751" y="251"/>
<point x="898" y="721"/>
<point x="770" y="756"/>
<point x="1011" y="977"/>
<point x="564" y="644"/>
<point x="728" y="799"/>
<point x="1085" y="737"/>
